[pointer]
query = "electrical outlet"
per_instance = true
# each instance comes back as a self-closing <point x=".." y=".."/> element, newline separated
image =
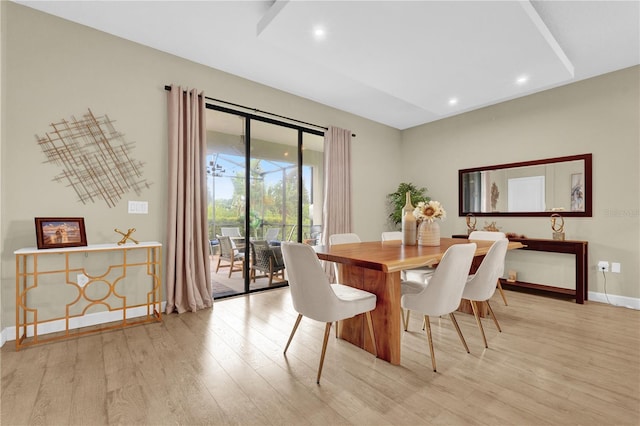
<point x="603" y="266"/>
<point x="138" y="207"/>
<point x="82" y="280"/>
<point x="615" y="267"/>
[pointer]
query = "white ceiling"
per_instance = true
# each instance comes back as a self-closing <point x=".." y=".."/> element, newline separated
<point x="395" y="62"/>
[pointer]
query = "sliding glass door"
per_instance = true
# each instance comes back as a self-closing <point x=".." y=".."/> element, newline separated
<point x="265" y="186"/>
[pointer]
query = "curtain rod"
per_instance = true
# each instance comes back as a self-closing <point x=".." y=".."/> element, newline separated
<point x="262" y="112"/>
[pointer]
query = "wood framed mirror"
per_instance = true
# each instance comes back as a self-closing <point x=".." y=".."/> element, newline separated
<point x="530" y="188"/>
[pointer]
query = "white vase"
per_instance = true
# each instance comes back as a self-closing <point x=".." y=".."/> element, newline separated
<point x="429" y="234"/>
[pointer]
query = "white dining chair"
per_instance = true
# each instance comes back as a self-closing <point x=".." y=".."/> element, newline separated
<point x="347" y="238"/>
<point x="443" y="293"/>
<point x="314" y="297"/>
<point x="481" y="286"/>
<point x="492" y="236"/>
<point x="391" y="236"/>
<point x="421" y="273"/>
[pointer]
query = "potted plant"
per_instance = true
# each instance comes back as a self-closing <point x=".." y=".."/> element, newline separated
<point x="397" y="200"/>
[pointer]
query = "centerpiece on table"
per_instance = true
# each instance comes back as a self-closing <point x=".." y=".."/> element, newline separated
<point x="426" y="214"/>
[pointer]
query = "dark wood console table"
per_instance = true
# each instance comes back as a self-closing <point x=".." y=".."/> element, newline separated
<point x="577" y="248"/>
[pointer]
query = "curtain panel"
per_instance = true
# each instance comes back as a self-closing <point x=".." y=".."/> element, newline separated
<point x="188" y="275"/>
<point x="336" y="209"/>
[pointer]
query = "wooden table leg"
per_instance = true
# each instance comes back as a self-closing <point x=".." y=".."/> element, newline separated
<point x="386" y="316"/>
<point x="465" y="306"/>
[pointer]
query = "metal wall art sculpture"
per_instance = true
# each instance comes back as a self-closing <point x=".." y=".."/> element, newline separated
<point x="96" y="160"/>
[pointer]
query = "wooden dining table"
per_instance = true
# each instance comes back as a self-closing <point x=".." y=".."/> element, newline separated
<point x="375" y="266"/>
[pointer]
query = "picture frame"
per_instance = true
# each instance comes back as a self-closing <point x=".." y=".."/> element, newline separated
<point x="60" y="232"/>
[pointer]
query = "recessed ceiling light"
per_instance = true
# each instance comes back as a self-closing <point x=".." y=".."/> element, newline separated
<point x="522" y="79"/>
<point x="453" y="101"/>
<point x="319" y="33"/>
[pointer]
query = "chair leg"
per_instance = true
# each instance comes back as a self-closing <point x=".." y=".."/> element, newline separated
<point x="295" y="327"/>
<point x="231" y="268"/>
<point x="405" y="318"/>
<point x="433" y="355"/>
<point x="327" y="330"/>
<point x="455" y="323"/>
<point x="474" y="306"/>
<point x="373" y="337"/>
<point x="495" y="320"/>
<point x="502" y="293"/>
<point x="218" y="265"/>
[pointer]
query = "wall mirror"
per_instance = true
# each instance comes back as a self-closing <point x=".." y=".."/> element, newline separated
<point x="531" y="188"/>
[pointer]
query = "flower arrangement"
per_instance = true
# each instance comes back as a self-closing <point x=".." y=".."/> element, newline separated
<point x="429" y="211"/>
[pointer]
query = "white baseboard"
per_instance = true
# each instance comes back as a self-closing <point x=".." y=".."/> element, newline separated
<point x="9" y="333"/>
<point x="615" y="300"/>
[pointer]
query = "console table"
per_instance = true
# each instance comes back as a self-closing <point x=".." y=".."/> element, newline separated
<point x="66" y="286"/>
<point x="577" y="248"/>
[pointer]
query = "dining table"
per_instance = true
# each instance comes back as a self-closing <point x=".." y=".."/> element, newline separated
<point x="375" y="266"/>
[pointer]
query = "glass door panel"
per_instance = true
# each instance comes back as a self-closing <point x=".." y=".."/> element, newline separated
<point x="226" y="177"/>
<point x="258" y="159"/>
<point x="273" y="196"/>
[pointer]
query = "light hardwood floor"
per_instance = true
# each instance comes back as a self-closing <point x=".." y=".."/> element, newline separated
<point x="555" y="362"/>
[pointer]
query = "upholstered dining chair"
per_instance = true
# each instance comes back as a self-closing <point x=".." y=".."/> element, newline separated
<point x="481" y="286"/>
<point x="492" y="236"/>
<point x="347" y="238"/>
<point x="442" y="294"/>
<point x="266" y="259"/>
<point x="421" y="274"/>
<point x="230" y="254"/>
<point x="391" y="236"/>
<point x="315" y="298"/>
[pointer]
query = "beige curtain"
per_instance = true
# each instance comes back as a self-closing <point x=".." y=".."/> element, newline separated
<point x="188" y="275"/>
<point x="336" y="209"/>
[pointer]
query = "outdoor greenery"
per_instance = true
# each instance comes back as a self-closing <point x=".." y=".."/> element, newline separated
<point x="272" y="206"/>
<point x="396" y="200"/>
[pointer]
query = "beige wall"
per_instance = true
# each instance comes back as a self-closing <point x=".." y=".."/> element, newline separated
<point x="53" y="69"/>
<point x="56" y="69"/>
<point x="600" y="116"/>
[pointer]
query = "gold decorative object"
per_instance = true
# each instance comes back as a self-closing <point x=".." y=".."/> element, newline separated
<point x="126" y="236"/>
<point x="491" y="227"/>
<point x="513" y="276"/>
<point x="557" y="227"/>
<point x="94" y="158"/>
<point x="471" y="223"/>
